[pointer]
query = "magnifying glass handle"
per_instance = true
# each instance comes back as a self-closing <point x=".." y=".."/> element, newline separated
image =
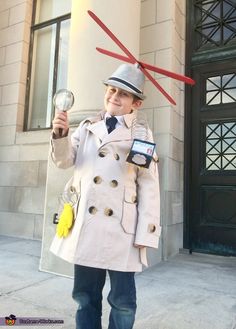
<point x="60" y="132"/>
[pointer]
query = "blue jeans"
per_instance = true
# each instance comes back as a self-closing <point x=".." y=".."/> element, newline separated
<point x="87" y="292"/>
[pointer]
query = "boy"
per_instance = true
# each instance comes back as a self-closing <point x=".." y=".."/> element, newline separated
<point x="117" y="212"/>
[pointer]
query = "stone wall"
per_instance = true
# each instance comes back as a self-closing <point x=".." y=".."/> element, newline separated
<point x="163" y="45"/>
<point x="23" y="155"/>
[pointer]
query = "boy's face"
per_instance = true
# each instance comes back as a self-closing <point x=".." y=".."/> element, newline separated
<point x="119" y="102"/>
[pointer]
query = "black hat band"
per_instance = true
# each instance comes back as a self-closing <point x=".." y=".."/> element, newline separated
<point x="126" y="84"/>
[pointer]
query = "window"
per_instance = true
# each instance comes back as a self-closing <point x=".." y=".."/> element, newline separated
<point x="215" y="22"/>
<point x="210" y="127"/>
<point x="48" y="60"/>
<point x="221" y="89"/>
<point x="221" y="146"/>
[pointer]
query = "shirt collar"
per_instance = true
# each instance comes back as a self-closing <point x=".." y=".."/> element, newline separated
<point x="120" y="118"/>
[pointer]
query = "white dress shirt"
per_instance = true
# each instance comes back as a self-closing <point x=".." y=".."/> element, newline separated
<point x="120" y="119"/>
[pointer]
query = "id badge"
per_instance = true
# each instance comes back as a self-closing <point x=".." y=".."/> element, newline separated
<point x="141" y="153"/>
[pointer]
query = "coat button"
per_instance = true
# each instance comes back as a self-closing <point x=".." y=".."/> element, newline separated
<point x="151" y="228"/>
<point x="102" y="154"/>
<point x="114" y="183"/>
<point x="108" y="212"/>
<point x="72" y="189"/>
<point x="97" y="180"/>
<point x="92" y="210"/>
<point x="117" y="157"/>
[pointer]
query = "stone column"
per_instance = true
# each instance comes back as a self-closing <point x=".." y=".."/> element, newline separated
<point x="162" y="43"/>
<point x="87" y="69"/>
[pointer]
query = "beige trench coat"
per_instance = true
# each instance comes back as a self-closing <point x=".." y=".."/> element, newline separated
<point x="119" y="203"/>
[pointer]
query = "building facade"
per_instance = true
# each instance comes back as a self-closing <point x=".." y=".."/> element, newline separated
<point x="46" y="45"/>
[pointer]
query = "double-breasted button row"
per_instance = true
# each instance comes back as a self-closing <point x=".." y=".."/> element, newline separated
<point x="151" y="228"/>
<point x="113" y="183"/>
<point x="107" y="211"/>
<point x="116" y="156"/>
<point x="103" y="153"/>
<point x="92" y="210"/>
<point x="98" y="180"/>
<point x="72" y="189"/>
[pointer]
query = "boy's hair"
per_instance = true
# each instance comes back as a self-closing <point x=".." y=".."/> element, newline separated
<point x="136" y="98"/>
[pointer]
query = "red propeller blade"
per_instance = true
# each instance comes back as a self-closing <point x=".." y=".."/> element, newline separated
<point x="148" y="75"/>
<point x="115" y="55"/>
<point x="148" y="66"/>
<point x="111" y="35"/>
<point x="128" y="53"/>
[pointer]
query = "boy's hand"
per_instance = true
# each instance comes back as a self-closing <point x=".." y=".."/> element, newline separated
<point x="60" y="123"/>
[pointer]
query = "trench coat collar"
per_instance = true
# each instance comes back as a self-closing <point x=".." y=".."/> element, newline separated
<point x="98" y="128"/>
<point x="128" y="118"/>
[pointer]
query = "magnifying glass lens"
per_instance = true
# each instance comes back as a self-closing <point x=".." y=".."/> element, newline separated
<point x="63" y="100"/>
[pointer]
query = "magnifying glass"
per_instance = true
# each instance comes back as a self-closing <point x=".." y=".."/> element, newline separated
<point x="63" y="101"/>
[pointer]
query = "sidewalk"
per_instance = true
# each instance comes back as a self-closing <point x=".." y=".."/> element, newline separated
<point x="186" y="292"/>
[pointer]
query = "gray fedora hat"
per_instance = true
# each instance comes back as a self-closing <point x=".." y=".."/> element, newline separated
<point x="128" y="77"/>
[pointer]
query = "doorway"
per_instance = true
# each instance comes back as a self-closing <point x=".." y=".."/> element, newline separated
<point x="210" y="128"/>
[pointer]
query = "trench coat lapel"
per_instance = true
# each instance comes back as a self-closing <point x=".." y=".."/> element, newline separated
<point x="121" y="133"/>
<point x="99" y="129"/>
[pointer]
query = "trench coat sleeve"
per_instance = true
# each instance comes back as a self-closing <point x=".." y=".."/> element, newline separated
<point x="148" y="226"/>
<point x="64" y="150"/>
